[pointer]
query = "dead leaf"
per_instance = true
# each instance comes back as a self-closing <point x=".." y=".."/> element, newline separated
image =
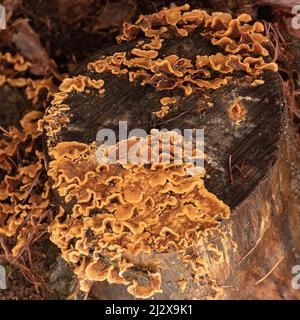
<point x="73" y="11"/>
<point x="113" y="14"/>
<point x="10" y="7"/>
<point x="28" y="42"/>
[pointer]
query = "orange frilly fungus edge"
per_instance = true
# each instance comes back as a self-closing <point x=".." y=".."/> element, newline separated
<point x="125" y="210"/>
<point x="13" y="72"/>
<point x="21" y="211"/>
<point x="24" y="190"/>
<point x="241" y="45"/>
<point x="119" y="210"/>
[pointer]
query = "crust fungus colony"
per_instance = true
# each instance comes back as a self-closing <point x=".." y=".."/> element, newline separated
<point x="24" y="187"/>
<point x="13" y="69"/>
<point x="126" y="210"/>
<point x="122" y="211"/>
<point x="24" y="190"/>
<point x="241" y="46"/>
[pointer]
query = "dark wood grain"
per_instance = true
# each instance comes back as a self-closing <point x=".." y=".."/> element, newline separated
<point x="253" y="143"/>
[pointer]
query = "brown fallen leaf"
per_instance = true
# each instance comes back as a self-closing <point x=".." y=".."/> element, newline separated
<point x="71" y="12"/>
<point x="113" y="14"/>
<point x="10" y="7"/>
<point x="28" y="42"/>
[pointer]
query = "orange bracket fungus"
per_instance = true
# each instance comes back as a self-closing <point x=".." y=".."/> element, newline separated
<point x="24" y="190"/>
<point x="13" y="72"/>
<point x="124" y="223"/>
<point x="127" y="210"/>
<point x="24" y="187"/>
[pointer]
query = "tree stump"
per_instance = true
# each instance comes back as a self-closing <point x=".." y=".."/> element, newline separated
<point x="247" y="167"/>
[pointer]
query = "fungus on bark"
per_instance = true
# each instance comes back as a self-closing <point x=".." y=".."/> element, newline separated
<point x="24" y="190"/>
<point x="120" y="213"/>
